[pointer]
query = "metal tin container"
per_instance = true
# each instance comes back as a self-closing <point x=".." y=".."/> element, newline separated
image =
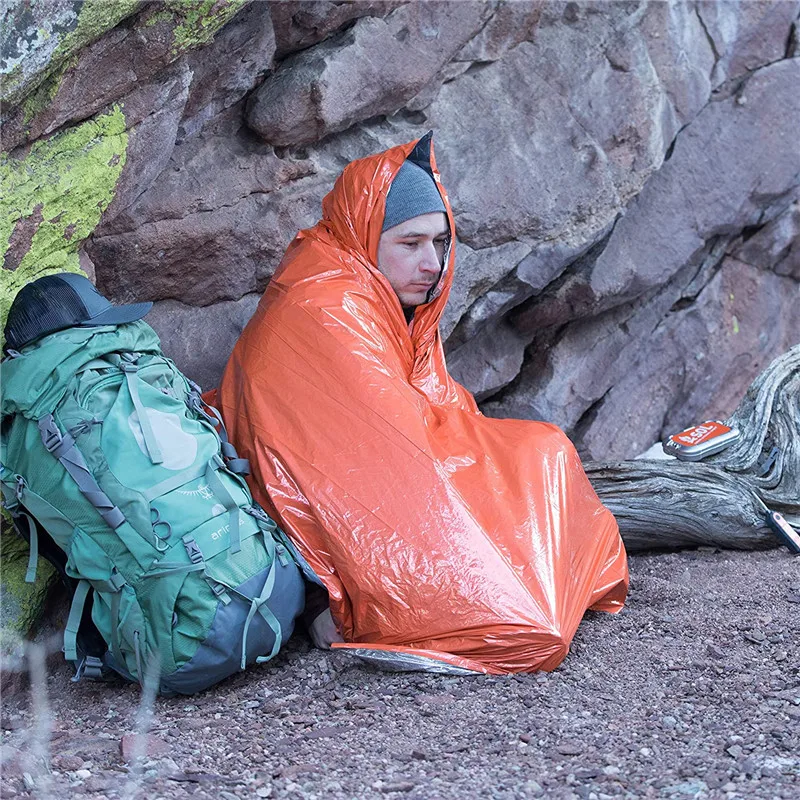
<point x="700" y="441"/>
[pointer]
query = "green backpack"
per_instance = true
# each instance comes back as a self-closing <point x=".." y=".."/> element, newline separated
<point x="109" y="447"/>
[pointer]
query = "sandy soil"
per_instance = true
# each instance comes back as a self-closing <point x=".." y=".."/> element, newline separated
<point x="693" y="691"/>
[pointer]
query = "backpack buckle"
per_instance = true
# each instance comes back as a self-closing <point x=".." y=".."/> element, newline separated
<point x="261" y="516"/>
<point x="51" y="435"/>
<point x="89" y="667"/>
<point x="193" y="550"/>
<point x="220" y="591"/>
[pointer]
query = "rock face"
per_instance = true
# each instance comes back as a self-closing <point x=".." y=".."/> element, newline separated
<point x="616" y="170"/>
<point x="652" y="276"/>
<point x="625" y="179"/>
<point x="374" y="68"/>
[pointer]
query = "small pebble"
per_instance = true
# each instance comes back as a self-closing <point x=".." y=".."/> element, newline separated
<point x="67" y="763"/>
<point x="714" y="651"/>
<point x="400" y="786"/>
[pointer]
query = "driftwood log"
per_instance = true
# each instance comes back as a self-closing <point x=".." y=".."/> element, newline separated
<point x="665" y="504"/>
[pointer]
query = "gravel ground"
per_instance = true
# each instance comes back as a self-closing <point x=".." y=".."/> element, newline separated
<point x="692" y="691"/>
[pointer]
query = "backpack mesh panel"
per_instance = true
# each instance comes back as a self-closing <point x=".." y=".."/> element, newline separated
<point x="252" y="558"/>
<point x="50" y="480"/>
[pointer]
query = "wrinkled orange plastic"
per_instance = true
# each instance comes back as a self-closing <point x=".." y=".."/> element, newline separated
<point x="433" y="527"/>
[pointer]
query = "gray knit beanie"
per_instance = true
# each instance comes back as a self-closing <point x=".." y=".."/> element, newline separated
<point x="413" y="192"/>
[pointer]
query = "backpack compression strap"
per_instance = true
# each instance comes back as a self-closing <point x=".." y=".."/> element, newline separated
<point x="154" y="451"/>
<point x="212" y="417"/>
<point x="63" y="448"/>
<point x="33" y="542"/>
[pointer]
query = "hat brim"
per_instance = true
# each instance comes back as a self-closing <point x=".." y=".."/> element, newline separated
<point x="116" y="315"/>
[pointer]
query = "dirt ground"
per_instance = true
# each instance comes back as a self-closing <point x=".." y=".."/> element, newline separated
<point x="692" y="691"/>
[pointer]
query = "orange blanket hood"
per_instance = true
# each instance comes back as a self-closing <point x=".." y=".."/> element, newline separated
<point x="434" y="528"/>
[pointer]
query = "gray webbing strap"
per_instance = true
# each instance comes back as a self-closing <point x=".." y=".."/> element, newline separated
<point x="150" y="441"/>
<point x="279" y="553"/>
<point x="239" y="466"/>
<point x="136" y="650"/>
<point x="227" y="450"/>
<point x="258" y="605"/>
<point x="63" y="448"/>
<point x="74" y="621"/>
<point x="173" y="570"/>
<point x="273" y="623"/>
<point x="89" y="667"/>
<point x="265" y="523"/>
<point x="224" y="496"/>
<point x="115" y="651"/>
<point x="174" y="482"/>
<point x="33" y="541"/>
<point x="95" y="363"/>
<point x="114" y="583"/>
<point x="199" y="563"/>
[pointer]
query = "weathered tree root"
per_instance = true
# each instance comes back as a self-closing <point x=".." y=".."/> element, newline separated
<point x="669" y="504"/>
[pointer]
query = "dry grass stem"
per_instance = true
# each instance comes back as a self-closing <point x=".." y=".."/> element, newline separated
<point x="38" y="751"/>
<point x="143" y="723"/>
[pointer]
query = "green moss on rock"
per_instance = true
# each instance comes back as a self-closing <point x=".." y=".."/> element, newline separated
<point x="94" y="19"/>
<point x="200" y="20"/>
<point x="21" y="603"/>
<point x="158" y="16"/>
<point x="41" y="98"/>
<point x="66" y="182"/>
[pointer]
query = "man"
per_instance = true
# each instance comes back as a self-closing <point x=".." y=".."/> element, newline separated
<point x="435" y="530"/>
<point x="414" y="236"/>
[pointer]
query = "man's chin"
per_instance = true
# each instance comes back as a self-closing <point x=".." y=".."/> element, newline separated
<point x="413" y="299"/>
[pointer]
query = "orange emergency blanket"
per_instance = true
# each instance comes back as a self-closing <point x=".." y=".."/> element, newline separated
<point x="433" y="527"/>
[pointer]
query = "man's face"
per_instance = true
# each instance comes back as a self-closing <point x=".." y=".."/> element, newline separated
<point x="411" y="255"/>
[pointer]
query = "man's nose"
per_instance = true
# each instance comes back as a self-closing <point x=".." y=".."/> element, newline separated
<point x="430" y="259"/>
